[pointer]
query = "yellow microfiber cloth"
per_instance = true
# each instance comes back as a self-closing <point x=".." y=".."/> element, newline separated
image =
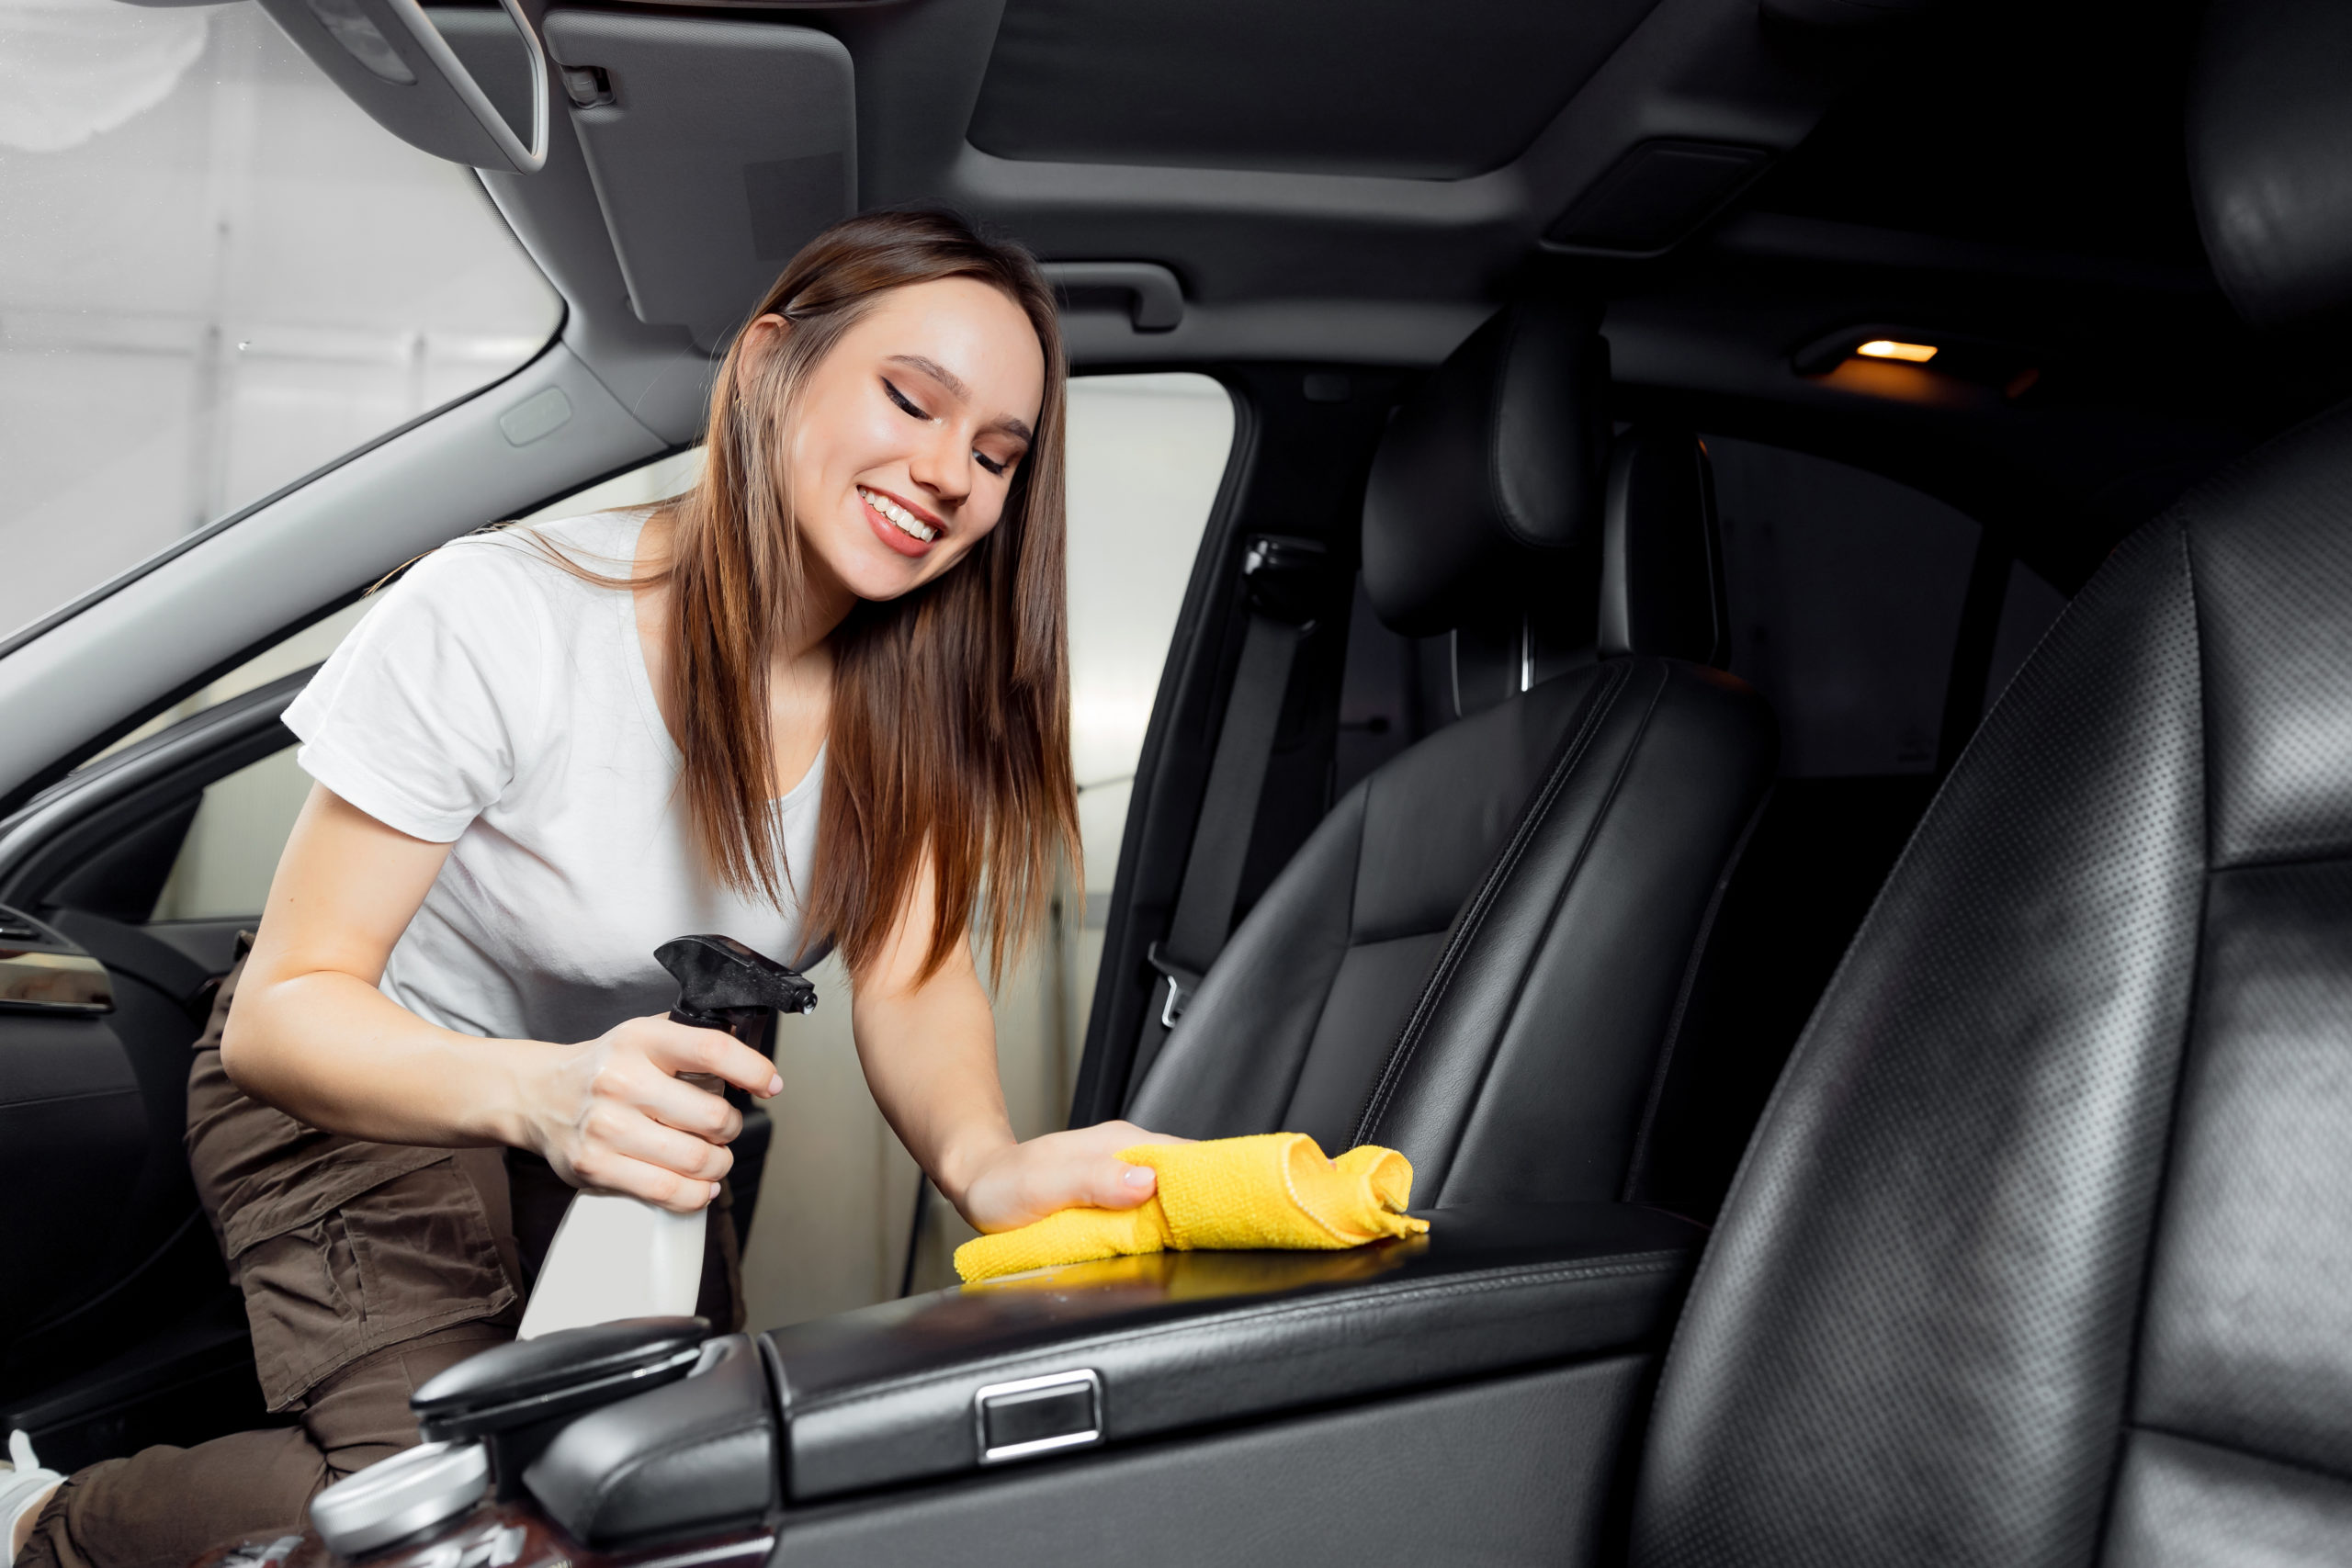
<point x="1274" y="1189"/>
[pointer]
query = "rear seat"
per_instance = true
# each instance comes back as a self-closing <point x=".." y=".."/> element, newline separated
<point x="1477" y="957"/>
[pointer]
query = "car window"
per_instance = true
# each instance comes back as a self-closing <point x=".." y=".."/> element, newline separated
<point x="216" y="275"/>
<point x="230" y="851"/>
<point x="1846" y="590"/>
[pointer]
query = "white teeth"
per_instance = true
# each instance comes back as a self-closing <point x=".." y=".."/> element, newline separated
<point x="905" y="521"/>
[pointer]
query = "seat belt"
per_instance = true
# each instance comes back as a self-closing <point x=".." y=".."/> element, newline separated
<point x="1275" y="573"/>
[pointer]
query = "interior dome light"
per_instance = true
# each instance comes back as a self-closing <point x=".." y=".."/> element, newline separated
<point x="1889" y="348"/>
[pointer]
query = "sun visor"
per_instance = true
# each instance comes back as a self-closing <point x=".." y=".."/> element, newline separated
<point x="717" y="148"/>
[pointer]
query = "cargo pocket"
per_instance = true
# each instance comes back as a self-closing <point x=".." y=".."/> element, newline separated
<point x="335" y="1280"/>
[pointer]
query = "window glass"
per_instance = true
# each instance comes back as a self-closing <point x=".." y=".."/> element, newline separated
<point x="216" y="275"/>
<point x="1845" y="591"/>
<point x="230" y="851"/>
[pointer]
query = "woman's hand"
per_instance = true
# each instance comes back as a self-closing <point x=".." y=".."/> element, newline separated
<point x="1080" y="1168"/>
<point x="616" y="1115"/>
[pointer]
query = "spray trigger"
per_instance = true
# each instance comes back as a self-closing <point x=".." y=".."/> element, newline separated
<point x="724" y="985"/>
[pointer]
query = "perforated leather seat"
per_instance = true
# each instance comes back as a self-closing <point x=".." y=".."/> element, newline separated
<point x="1476" y="957"/>
<point x="2043" y="1251"/>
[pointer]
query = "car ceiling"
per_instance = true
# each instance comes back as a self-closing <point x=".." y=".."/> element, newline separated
<point x="1360" y="182"/>
<point x="2002" y="176"/>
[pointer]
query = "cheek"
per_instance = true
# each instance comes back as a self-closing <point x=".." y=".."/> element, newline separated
<point x="977" y="525"/>
<point x="841" y="441"/>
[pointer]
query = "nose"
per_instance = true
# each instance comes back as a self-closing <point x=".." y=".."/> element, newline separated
<point x="942" y="466"/>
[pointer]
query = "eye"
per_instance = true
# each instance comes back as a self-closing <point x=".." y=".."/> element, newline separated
<point x="991" y="464"/>
<point x="905" y="404"/>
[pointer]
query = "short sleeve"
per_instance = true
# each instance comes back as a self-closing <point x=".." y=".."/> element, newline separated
<point x="419" y="718"/>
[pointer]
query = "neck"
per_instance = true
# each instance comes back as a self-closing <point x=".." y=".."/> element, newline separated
<point x="823" y="603"/>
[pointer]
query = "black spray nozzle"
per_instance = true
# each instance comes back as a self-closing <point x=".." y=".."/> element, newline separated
<point x="724" y="985"/>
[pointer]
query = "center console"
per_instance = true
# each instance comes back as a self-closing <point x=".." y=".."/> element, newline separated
<point x="1178" y="1408"/>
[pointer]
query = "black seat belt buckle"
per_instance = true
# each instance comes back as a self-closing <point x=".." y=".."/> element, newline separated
<point x="1182" y="981"/>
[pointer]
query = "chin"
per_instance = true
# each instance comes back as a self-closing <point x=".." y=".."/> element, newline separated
<point x="885" y="579"/>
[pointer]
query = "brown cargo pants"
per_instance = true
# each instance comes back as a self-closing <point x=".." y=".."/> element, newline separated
<point x="367" y="1268"/>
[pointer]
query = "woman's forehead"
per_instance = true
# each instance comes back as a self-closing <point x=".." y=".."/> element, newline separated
<point x="965" y="334"/>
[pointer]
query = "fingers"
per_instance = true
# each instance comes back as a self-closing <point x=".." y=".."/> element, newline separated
<point x="612" y="1137"/>
<point x="681" y="1048"/>
<point x="652" y="1183"/>
<point x="631" y="1083"/>
<point x="625" y="1151"/>
<point x="1115" y="1184"/>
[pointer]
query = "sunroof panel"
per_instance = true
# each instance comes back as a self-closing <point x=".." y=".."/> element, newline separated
<point x="1329" y="86"/>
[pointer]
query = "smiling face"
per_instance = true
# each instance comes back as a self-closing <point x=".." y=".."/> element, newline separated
<point x="911" y="433"/>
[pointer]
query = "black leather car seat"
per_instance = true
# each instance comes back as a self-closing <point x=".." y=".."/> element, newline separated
<point x="2042" y="1253"/>
<point x="1476" y="957"/>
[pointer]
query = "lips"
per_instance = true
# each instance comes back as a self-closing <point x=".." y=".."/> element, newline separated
<point x="899" y="525"/>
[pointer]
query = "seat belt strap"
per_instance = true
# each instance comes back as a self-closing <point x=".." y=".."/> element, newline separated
<point x="1245" y="745"/>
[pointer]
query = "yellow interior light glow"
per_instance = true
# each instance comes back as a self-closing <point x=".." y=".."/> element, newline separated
<point x="1888" y="348"/>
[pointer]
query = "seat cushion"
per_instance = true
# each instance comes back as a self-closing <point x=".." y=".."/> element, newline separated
<point x="1476" y="958"/>
<point x="2046" y="1239"/>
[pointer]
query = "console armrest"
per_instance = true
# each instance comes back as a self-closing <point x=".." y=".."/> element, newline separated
<point x="1105" y="1352"/>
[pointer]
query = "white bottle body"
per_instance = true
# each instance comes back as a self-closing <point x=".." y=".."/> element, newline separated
<point x="615" y="1257"/>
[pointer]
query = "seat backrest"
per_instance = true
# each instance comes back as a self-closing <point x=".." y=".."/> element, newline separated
<point x="1477" y="956"/>
<point x="2042" y="1253"/>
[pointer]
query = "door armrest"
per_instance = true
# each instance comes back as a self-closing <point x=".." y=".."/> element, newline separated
<point x="1133" y="1347"/>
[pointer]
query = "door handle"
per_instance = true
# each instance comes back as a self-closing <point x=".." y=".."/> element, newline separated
<point x="42" y="972"/>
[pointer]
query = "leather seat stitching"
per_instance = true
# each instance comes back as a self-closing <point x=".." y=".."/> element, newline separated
<point x="1599" y="704"/>
<point x="1552" y="916"/>
<point x="2175" y="1107"/>
<point x="2239" y="1450"/>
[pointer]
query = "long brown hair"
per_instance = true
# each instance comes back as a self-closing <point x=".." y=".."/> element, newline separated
<point x="950" y="731"/>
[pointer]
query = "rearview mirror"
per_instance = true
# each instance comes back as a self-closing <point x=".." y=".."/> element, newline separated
<point x="468" y="83"/>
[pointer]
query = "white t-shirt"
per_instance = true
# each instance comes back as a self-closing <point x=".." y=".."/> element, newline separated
<point x="499" y="705"/>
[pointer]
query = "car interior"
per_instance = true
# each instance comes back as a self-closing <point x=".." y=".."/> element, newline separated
<point x="1761" y="694"/>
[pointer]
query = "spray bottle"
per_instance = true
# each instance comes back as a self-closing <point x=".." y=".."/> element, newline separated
<point x="615" y="1257"/>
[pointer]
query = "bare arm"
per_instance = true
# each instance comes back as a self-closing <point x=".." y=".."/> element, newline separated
<point x="309" y="1033"/>
<point x="929" y="1052"/>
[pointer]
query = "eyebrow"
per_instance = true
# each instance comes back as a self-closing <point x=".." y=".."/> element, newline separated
<point x="954" y="384"/>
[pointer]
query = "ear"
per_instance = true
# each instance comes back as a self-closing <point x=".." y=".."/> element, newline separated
<point x="763" y="337"/>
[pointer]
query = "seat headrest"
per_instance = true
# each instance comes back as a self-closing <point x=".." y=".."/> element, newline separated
<point x="1661" y="555"/>
<point x="1493" y="466"/>
<point x="2271" y="155"/>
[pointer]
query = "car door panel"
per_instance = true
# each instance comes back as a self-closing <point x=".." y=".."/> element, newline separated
<point x="72" y="1133"/>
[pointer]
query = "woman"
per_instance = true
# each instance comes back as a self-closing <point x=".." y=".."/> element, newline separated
<point x="819" y="698"/>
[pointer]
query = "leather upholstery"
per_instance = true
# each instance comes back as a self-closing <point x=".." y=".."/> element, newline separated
<point x="1517" y="1469"/>
<point x="1662" y="560"/>
<point x="2043" y="1252"/>
<point x="1476" y="957"/>
<point x="1185" y="1340"/>
<point x="2271" y="156"/>
<point x="1494" y="468"/>
<point x="698" y="1454"/>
